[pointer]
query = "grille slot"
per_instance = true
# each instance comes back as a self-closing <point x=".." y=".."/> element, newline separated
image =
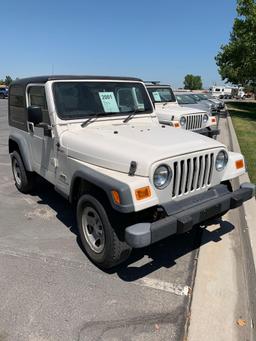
<point x="191" y="174"/>
<point x="194" y="121"/>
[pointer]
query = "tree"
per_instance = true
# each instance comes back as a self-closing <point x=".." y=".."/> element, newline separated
<point x="236" y="60"/>
<point x="8" y="80"/>
<point x="1" y="82"/>
<point x="193" y="82"/>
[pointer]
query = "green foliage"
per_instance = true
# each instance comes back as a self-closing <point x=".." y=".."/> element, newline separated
<point x="1" y="82"/>
<point x="237" y="59"/>
<point x="244" y="119"/>
<point x="193" y="82"/>
<point x="7" y="80"/>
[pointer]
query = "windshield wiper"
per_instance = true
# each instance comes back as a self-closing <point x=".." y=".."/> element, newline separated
<point x="131" y="115"/>
<point x="85" y="123"/>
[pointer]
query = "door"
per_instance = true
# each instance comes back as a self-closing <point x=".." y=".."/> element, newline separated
<point x="41" y="140"/>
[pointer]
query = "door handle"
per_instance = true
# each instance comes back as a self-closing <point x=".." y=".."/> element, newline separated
<point x="31" y="127"/>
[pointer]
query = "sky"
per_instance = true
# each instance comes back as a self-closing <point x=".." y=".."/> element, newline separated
<point x="153" y="40"/>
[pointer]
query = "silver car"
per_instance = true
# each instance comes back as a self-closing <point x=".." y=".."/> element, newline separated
<point x="220" y="104"/>
<point x="186" y="100"/>
<point x="213" y="107"/>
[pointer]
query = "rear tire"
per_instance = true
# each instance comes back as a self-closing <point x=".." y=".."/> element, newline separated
<point x="24" y="181"/>
<point x="1" y="96"/>
<point x="99" y="238"/>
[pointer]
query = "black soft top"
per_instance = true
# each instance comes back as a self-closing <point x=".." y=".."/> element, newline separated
<point x="157" y="85"/>
<point x="44" y="79"/>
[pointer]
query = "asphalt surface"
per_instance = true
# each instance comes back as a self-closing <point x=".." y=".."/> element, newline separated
<point x="49" y="290"/>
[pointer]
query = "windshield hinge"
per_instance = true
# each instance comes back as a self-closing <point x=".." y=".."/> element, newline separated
<point x="133" y="168"/>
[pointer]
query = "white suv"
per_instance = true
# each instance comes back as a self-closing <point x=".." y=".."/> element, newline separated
<point x="132" y="180"/>
<point x="170" y="112"/>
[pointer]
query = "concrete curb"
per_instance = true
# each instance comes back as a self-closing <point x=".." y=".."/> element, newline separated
<point x="224" y="288"/>
<point x="249" y="206"/>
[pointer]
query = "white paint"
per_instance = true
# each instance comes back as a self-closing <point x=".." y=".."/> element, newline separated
<point x="6" y="184"/>
<point x="164" y="286"/>
<point x="29" y="201"/>
<point x="38" y="256"/>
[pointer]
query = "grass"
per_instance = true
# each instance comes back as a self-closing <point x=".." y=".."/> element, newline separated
<point x="244" y="120"/>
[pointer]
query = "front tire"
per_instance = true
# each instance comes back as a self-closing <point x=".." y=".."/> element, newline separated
<point x="99" y="238"/>
<point x="24" y="181"/>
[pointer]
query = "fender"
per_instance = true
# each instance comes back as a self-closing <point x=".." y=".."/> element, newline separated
<point x="24" y="150"/>
<point x="107" y="184"/>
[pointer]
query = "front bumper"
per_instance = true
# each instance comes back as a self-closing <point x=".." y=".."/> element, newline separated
<point x="208" y="131"/>
<point x="181" y="216"/>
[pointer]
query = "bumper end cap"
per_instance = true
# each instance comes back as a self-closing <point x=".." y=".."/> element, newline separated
<point x="138" y="235"/>
<point x="250" y="186"/>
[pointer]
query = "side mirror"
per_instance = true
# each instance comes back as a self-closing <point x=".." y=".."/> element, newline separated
<point x="35" y="115"/>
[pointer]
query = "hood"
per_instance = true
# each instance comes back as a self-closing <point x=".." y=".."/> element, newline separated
<point x="216" y="101"/>
<point x="200" y="106"/>
<point x="177" y="110"/>
<point x="115" y="146"/>
<point x="207" y="102"/>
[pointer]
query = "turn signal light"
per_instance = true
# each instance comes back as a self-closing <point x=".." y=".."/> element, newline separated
<point x="116" y="197"/>
<point x="239" y="164"/>
<point x="143" y="193"/>
<point x="176" y="125"/>
<point x="213" y="119"/>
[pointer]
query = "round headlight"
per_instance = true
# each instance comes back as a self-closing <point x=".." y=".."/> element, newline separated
<point x="162" y="176"/>
<point x="205" y="118"/>
<point x="182" y="120"/>
<point x="221" y="160"/>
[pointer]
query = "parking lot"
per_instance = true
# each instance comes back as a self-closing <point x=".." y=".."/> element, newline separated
<point x="51" y="291"/>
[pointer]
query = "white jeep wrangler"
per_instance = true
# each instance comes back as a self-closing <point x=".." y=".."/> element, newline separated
<point x="170" y="112"/>
<point x="132" y="180"/>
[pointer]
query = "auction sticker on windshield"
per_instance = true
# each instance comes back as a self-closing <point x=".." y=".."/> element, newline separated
<point x="108" y="101"/>
<point x="157" y="97"/>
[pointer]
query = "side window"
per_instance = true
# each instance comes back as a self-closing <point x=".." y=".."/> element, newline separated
<point x="17" y="97"/>
<point x="36" y="97"/>
<point x="17" y="110"/>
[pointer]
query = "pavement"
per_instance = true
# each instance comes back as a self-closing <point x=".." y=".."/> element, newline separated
<point x="223" y="307"/>
<point x="49" y="290"/>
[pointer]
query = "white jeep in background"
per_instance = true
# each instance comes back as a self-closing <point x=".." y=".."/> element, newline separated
<point x="171" y="113"/>
<point x="132" y="180"/>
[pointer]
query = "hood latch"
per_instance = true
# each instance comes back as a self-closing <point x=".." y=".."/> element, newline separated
<point x="133" y="168"/>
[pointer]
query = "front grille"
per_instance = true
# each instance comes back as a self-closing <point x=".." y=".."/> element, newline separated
<point x="191" y="174"/>
<point x="194" y="121"/>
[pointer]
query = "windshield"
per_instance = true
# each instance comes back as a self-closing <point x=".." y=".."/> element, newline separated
<point x="75" y="100"/>
<point x="185" y="99"/>
<point x="195" y="97"/>
<point x="202" y="96"/>
<point x="159" y="95"/>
